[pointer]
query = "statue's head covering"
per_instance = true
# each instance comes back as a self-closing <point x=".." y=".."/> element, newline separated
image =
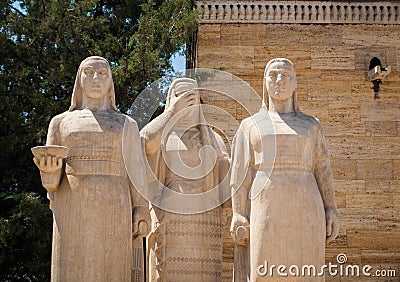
<point x="207" y="135"/>
<point x="174" y="84"/>
<point x="192" y="84"/>
<point x="77" y="94"/>
<point x="265" y="93"/>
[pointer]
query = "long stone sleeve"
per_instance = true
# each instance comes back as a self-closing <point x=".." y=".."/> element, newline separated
<point x="241" y="177"/>
<point x="323" y="171"/>
<point x="52" y="180"/>
<point x="134" y="162"/>
<point x="152" y="132"/>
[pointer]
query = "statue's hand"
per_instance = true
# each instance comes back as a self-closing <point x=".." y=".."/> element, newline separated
<point x="332" y="224"/>
<point x="183" y="100"/>
<point x="240" y="229"/>
<point x="141" y="221"/>
<point x="48" y="163"/>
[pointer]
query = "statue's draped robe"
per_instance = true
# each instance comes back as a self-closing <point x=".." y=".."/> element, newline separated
<point x="92" y="208"/>
<point x="187" y="247"/>
<point x="287" y="216"/>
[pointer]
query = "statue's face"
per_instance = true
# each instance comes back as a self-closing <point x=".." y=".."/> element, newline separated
<point x="280" y="81"/>
<point x="95" y="78"/>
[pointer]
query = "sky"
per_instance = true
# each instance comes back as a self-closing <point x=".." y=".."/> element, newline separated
<point x="179" y="62"/>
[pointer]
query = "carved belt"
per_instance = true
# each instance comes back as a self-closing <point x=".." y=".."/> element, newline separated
<point x="288" y="166"/>
<point x="94" y="166"/>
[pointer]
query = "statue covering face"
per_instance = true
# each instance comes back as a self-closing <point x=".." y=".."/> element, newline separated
<point x="189" y="163"/>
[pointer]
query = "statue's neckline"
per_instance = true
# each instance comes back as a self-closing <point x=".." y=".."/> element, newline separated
<point x="282" y="116"/>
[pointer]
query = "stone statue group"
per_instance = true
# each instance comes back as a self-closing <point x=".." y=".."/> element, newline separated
<point x="100" y="173"/>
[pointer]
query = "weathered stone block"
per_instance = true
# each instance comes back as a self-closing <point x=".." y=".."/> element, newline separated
<point x="367" y="35"/>
<point x="380" y="256"/>
<point x="299" y="55"/>
<point x="308" y="75"/>
<point x="344" y="112"/>
<point x="378" y="128"/>
<point x="230" y="34"/>
<point x="226" y="57"/>
<point x="378" y="169"/>
<point x="344" y="168"/>
<point x="349" y="186"/>
<point x="396" y="169"/>
<point x="209" y="35"/>
<point x="389" y="90"/>
<point x="344" y="129"/>
<point x="369" y="201"/>
<point x="373" y="239"/>
<point x="380" y="111"/>
<point x="361" y="90"/>
<point x="347" y="146"/>
<point x="382" y="186"/>
<point x="340" y="200"/>
<point x="332" y="58"/>
<point x="244" y="34"/>
<point x="369" y="148"/>
<point x="296" y="35"/>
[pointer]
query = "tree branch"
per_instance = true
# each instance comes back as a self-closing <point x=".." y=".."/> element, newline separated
<point x="18" y="11"/>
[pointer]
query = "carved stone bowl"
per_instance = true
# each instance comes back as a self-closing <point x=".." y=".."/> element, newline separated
<point x="54" y="150"/>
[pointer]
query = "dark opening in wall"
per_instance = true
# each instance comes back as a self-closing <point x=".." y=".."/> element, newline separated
<point x="374" y="62"/>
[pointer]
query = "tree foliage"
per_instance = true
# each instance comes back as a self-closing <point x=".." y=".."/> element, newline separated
<point x="42" y="43"/>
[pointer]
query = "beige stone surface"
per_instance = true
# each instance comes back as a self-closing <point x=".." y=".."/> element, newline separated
<point x="374" y="186"/>
<point x="344" y="112"/>
<point x="219" y="57"/>
<point x="348" y="186"/>
<point x="365" y="147"/>
<point x="332" y="57"/>
<point x="95" y="205"/>
<point x="337" y="75"/>
<point x="344" y="129"/>
<point x="243" y="35"/>
<point x="209" y="35"/>
<point x="380" y="111"/>
<point x="373" y="239"/>
<point x="295" y="35"/>
<point x="378" y="170"/>
<point x="369" y="201"/>
<point x="396" y="169"/>
<point x="299" y="55"/>
<point x="344" y="168"/>
<point x="363" y="35"/>
<point x="377" y="128"/>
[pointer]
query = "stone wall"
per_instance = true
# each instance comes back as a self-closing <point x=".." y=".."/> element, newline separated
<point x="363" y="133"/>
